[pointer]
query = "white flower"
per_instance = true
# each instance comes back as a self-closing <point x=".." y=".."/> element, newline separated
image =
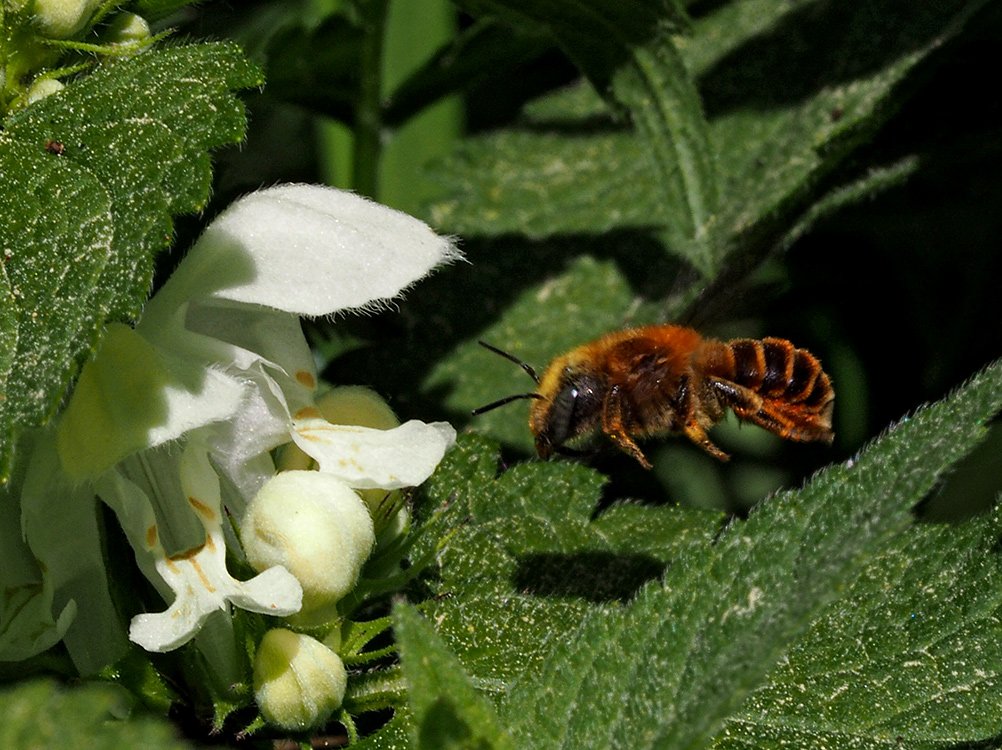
<point x="219" y="362"/>
<point x="198" y="577"/>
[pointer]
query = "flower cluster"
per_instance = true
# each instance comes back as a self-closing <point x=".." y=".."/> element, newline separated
<point x="177" y="424"/>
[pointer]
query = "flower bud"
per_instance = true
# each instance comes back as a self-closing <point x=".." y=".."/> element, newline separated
<point x="127" y="28"/>
<point x="314" y="526"/>
<point x="298" y="681"/>
<point x="61" y="19"/>
<point x="42" y="88"/>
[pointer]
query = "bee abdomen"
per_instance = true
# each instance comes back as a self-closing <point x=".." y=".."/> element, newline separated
<point x="776" y="369"/>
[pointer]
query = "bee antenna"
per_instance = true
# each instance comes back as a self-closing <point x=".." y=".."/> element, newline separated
<point x="505" y="400"/>
<point x="516" y="360"/>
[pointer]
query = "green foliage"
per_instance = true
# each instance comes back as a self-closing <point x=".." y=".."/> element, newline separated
<point x="85" y="218"/>
<point x="626" y="163"/>
<point x="524" y="561"/>
<point x="40" y="713"/>
<point x="627" y="53"/>
<point x="448" y="711"/>
<point x="774" y="139"/>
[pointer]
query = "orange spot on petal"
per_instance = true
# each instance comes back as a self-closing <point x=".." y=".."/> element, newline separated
<point x="306" y="378"/>
<point x="187" y="554"/>
<point x="309" y="412"/>
<point x="201" y="508"/>
<point x="151" y="536"/>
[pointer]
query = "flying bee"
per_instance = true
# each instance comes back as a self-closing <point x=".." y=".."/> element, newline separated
<point x="668" y="379"/>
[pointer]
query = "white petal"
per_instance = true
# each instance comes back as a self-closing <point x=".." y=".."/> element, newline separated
<point x="198" y="579"/>
<point x="256" y="334"/>
<point x="365" y="458"/>
<point x="133" y="396"/>
<point x="171" y="629"/>
<point x="269" y="593"/>
<point x="305" y="249"/>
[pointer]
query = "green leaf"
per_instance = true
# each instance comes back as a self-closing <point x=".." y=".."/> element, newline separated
<point x="524" y="562"/>
<point x="777" y="131"/>
<point x="43" y="714"/>
<point x="782" y="131"/>
<point x="671" y="668"/>
<point x="627" y="52"/>
<point x="57" y="234"/>
<point x="912" y="655"/>
<point x="448" y="712"/>
<point x="93" y="176"/>
<point x="185" y="91"/>
<point x="394" y="735"/>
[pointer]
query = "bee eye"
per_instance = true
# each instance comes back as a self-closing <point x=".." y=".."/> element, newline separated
<point x="575" y="409"/>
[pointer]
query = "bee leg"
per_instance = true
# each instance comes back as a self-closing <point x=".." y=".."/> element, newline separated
<point x="612" y="426"/>
<point x="751" y="407"/>
<point x="695" y="432"/>
<point x="691" y="426"/>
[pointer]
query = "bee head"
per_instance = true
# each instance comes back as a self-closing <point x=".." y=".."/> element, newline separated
<point x="571" y="406"/>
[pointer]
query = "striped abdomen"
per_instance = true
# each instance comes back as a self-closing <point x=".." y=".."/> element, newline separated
<point x="795" y="391"/>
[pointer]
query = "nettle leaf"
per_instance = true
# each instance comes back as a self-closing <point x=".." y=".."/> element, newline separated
<point x="911" y="656"/>
<point x="789" y="89"/>
<point x="524" y="561"/>
<point x="674" y="667"/>
<point x="93" y="176"/>
<point x="40" y="713"/>
<point x="185" y="93"/>
<point x="56" y="230"/>
<point x="626" y="51"/>
<point x="447" y="710"/>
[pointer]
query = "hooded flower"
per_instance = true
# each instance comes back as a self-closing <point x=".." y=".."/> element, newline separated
<point x="173" y="422"/>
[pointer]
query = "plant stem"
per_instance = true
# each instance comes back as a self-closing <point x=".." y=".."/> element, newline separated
<point x="368" y="122"/>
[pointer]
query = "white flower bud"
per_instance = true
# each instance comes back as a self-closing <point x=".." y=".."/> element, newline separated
<point x="316" y="527"/>
<point x="298" y="681"/>
<point x="127" y="28"/>
<point x="42" y="88"/>
<point x="61" y="19"/>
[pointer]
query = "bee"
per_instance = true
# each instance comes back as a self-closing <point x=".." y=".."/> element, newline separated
<point x="668" y="379"/>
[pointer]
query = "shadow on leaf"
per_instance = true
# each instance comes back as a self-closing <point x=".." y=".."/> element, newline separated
<point x="593" y="576"/>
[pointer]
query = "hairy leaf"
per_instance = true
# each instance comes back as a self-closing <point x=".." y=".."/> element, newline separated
<point x="523" y="560"/>
<point x="93" y="176"/>
<point x="777" y="131"/>
<point x="912" y="655"/>
<point x="448" y="712"/>
<point x="627" y="52"/>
